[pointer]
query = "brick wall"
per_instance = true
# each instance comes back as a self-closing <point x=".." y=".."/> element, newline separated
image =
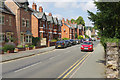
<point x="34" y="26"/>
<point x="65" y="34"/>
<point x="6" y="27"/>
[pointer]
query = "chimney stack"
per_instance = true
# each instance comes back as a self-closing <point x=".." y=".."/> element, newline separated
<point x="40" y="9"/>
<point x="63" y="21"/>
<point x="70" y="22"/>
<point x="50" y="14"/>
<point x="67" y="20"/>
<point x="34" y="6"/>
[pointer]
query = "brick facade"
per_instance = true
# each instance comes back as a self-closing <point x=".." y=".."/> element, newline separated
<point x="23" y="21"/>
<point x="8" y="29"/>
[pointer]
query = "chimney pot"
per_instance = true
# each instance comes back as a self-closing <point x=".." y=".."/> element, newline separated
<point x="34" y="6"/>
<point x="50" y="14"/>
<point x="40" y="9"/>
<point x="63" y="21"/>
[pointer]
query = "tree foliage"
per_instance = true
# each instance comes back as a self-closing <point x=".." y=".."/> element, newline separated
<point x="72" y="20"/>
<point x="107" y="19"/>
<point x="79" y="20"/>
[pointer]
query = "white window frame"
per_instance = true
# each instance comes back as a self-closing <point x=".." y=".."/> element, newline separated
<point x="23" y="22"/>
<point x="29" y="39"/>
<point x="2" y="37"/>
<point x="27" y="23"/>
<point x="2" y="20"/>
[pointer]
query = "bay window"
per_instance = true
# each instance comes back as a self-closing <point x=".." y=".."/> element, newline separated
<point x="22" y="38"/>
<point x="28" y="39"/>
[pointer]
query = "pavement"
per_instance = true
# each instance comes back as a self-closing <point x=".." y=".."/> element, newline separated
<point x="58" y="62"/>
<point x="94" y="66"/>
<point x="22" y="54"/>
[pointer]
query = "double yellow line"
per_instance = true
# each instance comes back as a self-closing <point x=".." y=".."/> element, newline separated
<point x="69" y="70"/>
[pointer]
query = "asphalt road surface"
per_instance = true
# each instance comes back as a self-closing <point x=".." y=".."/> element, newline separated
<point x="46" y="65"/>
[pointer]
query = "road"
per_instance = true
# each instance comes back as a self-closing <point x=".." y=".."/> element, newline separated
<point x="46" y="65"/>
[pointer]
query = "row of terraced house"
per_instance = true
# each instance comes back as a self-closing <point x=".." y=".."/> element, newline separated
<point x="19" y="23"/>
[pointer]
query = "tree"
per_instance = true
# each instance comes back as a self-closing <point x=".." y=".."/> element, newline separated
<point x="107" y="18"/>
<point x="72" y="20"/>
<point x="79" y="20"/>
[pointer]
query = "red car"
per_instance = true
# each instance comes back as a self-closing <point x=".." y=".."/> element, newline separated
<point x="87" y="46"/>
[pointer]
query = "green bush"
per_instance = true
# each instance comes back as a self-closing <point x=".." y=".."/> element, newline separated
<point x="92" y="35"/>
<point x="26" y="46"/>
<point x="35" y="40"/>
<point x="31" y="46"/>
<point x="65" y="38"/>
<point x="80" y="37"/>
<point x="86" y="36"/>
<point x="9" y="46"/>
<point x="20" y="46"/>
<point x="53" y="40"/>
<point x="104" y="41"/>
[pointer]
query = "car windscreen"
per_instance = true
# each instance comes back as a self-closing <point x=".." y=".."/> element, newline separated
<point x="59" y="42"/>
<point x="71" y="40"/>
<point x="87" y="43"/>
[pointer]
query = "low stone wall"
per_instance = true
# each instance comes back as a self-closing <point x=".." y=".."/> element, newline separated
<point x="112" y="56"/>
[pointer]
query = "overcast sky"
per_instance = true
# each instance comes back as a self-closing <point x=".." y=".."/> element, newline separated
<point x="67" y="9"/>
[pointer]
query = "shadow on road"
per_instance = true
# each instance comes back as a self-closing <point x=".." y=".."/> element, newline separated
<point x="101" y="61"/>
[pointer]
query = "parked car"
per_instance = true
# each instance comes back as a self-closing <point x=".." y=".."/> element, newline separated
<point x="73" y="42"/>
<point x="68" y="43"/>
<point x="87" y="46"/>
<point x="82" y="40"/>
<point x="78" y="41"/>
<point x="61" y="44"/>
<point x="98" y="38"/>
<point x="93" y="39"/>
<point x="86" y="39"/>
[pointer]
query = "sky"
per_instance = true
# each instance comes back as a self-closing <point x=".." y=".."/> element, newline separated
<point x="67" y="9"/>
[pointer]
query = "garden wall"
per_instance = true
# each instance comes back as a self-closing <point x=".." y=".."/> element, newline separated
<point x="112" y="58"/>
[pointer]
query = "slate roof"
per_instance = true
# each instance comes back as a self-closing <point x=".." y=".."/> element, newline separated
<point x="68" y="25"/>
<point x="55" y="21"/>
<point x="74" y="25"/>
<point x="39" y="15"/>
<point x="5" y="9"/>
<point x="21" y="4"/>
<point x="22" y="1"/>
<point x="50" y="19"/>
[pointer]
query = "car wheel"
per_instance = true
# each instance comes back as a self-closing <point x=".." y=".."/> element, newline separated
<point x="55" y="47"/>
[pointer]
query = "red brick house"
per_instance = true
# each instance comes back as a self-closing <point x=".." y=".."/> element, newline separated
<point x="40" y="25"/>
<point x="23" y="20"/>
<point x="59" y="29"/>
<point x="55" y="28"/>
<point x="7" y="25"/>
<point x="81" y="29"/>
<point x="66" y="30"/>
<point x="50" y="26"/>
